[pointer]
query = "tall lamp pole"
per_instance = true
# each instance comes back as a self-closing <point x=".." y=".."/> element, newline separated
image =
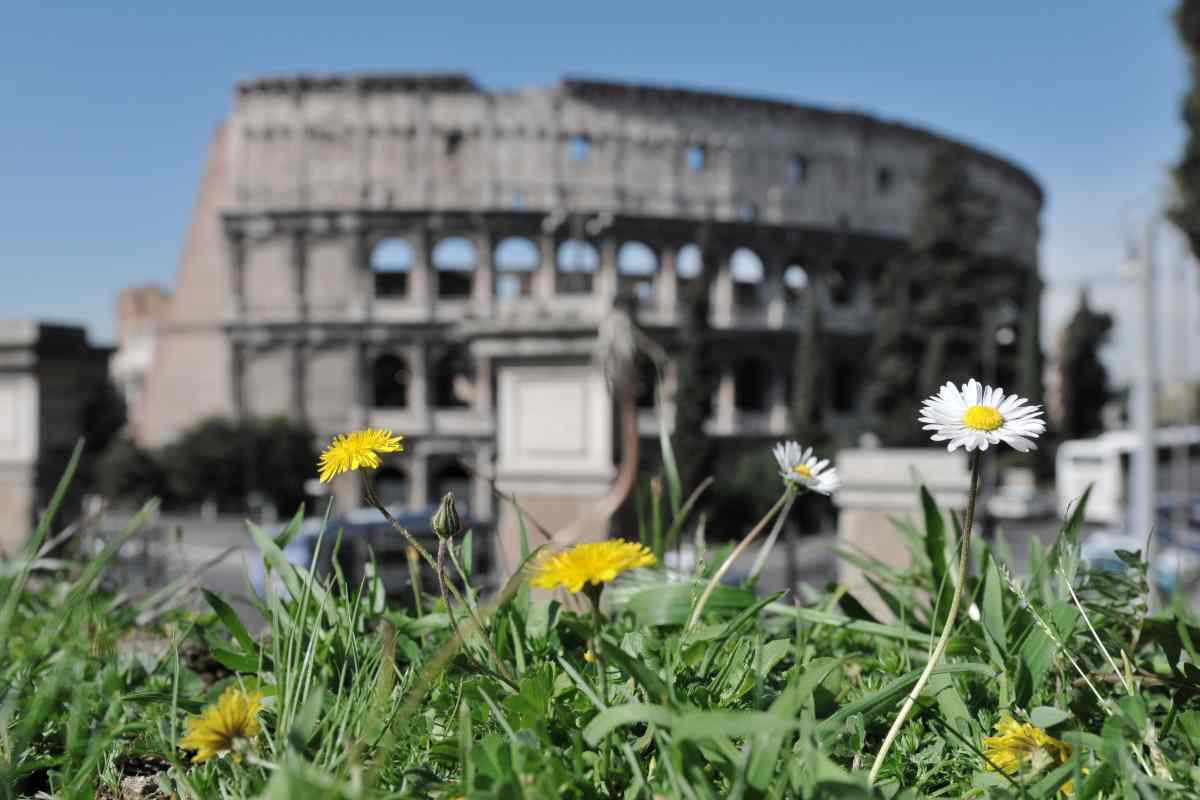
<point x="1145" y="460"/>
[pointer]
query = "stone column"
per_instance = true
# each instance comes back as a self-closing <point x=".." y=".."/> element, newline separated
<point x="421" y="280"/>
<point x="666" y="289"/>
<point x="361" y="391"/>
<point x="299" y="258"/>
<point x="481" y="488"/>
<point x="418" y="384"/>
<point x="418" y="479"/>
<point x="364" y="278"/>
<point x="482" y="286"/>
<point x="605" y="287"/>
<point x="543" y="279"/>
<point x="878" y="484"/>
<point x="299" y="376"/>
<point x="776" y="294"/>
<point x="777" y="402"/>
<point x="481" y="403"/>
<point x="237" y="264"/>
<point x="723" y="408"/>
<point x="722" y="292"/>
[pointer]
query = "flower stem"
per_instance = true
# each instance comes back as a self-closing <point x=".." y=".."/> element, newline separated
<point x="940" y="648"/>
<point x="593" y="594"/>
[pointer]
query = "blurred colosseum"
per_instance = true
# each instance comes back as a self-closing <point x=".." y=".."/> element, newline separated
<point x="365" y="249"/>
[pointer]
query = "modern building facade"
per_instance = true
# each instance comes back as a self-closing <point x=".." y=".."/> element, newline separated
<point x="368" y="250"/>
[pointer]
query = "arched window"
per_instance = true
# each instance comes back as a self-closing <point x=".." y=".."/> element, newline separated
<point x="391" y="486"/>
<point x="689" y="263"/>
<point x="390" y="262"/>
<point x="795" y="281"/>
<point x="746" y="270"/>
<point x="843" y="282"/>
<point x="516" y="259"/>
<point x="647" y="382"/>
<point x="846" y="387"/>
<point x="447" y="474"/>
<point x="453" y="381"/>
<point x="576" y="263"/>
<point x="454" y="259"/>
<point x="751" y="385"/>
<point x="389" y="382"/>
<point x="579" y="148"/>
<point x="637" y="265"/>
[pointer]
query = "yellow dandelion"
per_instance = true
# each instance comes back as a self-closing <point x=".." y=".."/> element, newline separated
<point x="357" y="450"/>
<point x="221" y="726"/>
<point x="1022" y="748"/>
<point x="589" y="656"/>
<point x="591" y="562"/>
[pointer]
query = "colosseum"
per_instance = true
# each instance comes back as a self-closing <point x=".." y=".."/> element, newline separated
<point x="371" y="249"/>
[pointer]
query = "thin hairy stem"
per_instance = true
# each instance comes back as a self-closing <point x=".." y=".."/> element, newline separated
<point x="947" y="629"/>
<point x="786" y="498"/>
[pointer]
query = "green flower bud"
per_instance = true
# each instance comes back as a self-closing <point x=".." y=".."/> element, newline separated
<point x="445" y="520"/>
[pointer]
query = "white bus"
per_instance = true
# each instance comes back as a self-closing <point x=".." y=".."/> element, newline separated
<point x="1106" y="462"/>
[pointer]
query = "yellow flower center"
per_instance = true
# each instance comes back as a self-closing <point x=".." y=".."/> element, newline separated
<point x="802" y="471"/>
<point x="983" y="418"/>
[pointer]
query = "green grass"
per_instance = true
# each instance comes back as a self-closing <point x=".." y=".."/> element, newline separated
<point x="763" y="699"/>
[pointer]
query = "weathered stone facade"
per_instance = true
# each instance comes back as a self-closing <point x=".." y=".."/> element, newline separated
<point x="50" y="377"/>
<point x="369" y="249"/>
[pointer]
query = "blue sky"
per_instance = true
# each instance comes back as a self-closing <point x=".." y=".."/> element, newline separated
<point x="109" y="107"/>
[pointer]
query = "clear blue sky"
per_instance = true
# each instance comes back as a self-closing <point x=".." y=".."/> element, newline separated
<point x="108" y="107"/>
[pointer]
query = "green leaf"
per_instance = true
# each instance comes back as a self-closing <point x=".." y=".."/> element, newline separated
<point x="672" y="604"/>
<point x="232" y="622"/>
<point x="935" y="538"/>
<point x="992" y="609"/>
<point x="951" y="704"/>
<point x="766" y="746"/>
<point x="645" y="677"/>
<point x="670" y="468"/>
<point x="238" y="662"/>
<point x="285" y="537"/>
<point x="887" y="698"/>
<point x="1046" y="717"/>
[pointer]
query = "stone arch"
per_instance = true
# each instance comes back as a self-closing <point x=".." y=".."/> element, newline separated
<point x="748" y="274"/>
<point x="576" y="264"/>
<point x="516" y="259"/>
<point x="390" y="381"/>
<point x="797" y="282"/>
<point x="452" y="379"/>
<point x="637" y="267"/>
<point x="689" y="262"/>
<point x="391" y="260"/>
<point x="752" y="385"/>
<point x="392" y="486"/>
<point x="843" y="282"/>
<point x="447" y="473"/>
<point x="454" y="260"/>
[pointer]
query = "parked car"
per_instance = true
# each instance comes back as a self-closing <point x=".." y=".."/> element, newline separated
<point x="366" y="538"/>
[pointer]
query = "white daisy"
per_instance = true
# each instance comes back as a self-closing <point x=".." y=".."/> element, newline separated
<point x="979" y="416"/>
<point x="801" y="468"/>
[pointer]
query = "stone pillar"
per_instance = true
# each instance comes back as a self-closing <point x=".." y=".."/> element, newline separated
<point x="361" y="391"/>
<point x="299" y="370"/>
<point x="666" y="289"/>
<point x="722" y="293"/>
<point x="543" y="279"/>
<point x="605" y="287"/>
<point x="481" y="402"/>
<point x="776" y="294"/>
<point x="237" y="265"/>
<point x="777" y="401"/>
<point x="364" y="278"/>
<point x="299" y="259"/>
<point x="418" y="479"/>
<point x="418" y="385"/>
<point x="421" y="280"/>
<point x="878" y="484"/>
<point x="555" y="451"/>
<point x="723" y="408"/>
<point x="481" y="488"/>
<point x="482" y="286"/>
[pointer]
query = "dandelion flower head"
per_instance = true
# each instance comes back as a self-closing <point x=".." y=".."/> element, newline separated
<point x="233" y="718"/>
<point x="799" y="467"/>
<point x="357" y="450"/>
<point x="976" y="417"/>
<point x="592" y="562"/>
<point x="1022" y="748"/>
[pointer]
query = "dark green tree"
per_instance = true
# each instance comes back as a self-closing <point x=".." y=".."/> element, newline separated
<point x="929" y="318"/>
<point x="697" y="382"/>
<point x="1186" y="211"/>
<point x="227" y="461"/>
<point x="1082" y="375"/>
<point x="127" y="474"/>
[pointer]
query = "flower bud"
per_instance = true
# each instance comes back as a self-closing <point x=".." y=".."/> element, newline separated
<point x="445" y="520"/>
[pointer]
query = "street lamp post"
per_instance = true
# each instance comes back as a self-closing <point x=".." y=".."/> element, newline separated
<point x="1145" y="460"/>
